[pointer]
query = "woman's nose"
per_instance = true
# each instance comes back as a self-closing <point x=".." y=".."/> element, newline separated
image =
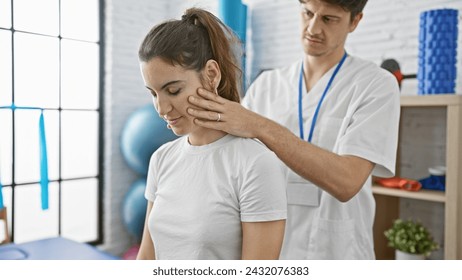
<point x="163" y="106"/>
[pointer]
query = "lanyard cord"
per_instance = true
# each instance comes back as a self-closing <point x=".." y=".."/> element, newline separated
<point x="300" y="97"/>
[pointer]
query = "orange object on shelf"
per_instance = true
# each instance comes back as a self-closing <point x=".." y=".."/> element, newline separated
<point x="400" y="183"/>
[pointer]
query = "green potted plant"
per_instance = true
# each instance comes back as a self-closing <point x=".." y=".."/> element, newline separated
<point x="410" y="239"/>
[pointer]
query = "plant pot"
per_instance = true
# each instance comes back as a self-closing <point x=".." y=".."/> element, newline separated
<point x="400" y="255"/>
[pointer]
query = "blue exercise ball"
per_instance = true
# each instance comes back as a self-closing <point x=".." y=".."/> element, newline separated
<point x="143" y="133"/>
<point x="134" y="208"/>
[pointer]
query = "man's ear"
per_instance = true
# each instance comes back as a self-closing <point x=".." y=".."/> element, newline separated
<point x="355" y="22"/>
<point x="212" y="75"/>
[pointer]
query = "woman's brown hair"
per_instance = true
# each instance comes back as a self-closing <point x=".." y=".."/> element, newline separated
<point x="191" y="42"/>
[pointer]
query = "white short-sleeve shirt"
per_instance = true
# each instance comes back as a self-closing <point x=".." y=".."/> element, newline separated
<point x="201" y="194"/>
<point x="359" y="116"/>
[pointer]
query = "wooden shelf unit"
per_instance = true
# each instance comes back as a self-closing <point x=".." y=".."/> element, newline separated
<point x="427" y="195"/>
<point x="388" y="199"/>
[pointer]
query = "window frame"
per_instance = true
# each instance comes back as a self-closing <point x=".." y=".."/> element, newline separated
<point x="101" y="130"/>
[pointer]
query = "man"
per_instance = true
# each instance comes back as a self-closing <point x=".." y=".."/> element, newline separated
<point x="333" y="120"/>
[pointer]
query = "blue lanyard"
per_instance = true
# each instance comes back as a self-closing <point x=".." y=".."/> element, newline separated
<point x="300" y="97"/>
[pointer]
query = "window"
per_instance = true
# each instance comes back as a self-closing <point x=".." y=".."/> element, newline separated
<point x="50" y="62"/>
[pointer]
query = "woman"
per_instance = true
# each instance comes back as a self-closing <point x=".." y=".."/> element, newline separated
<point x="210" y="195"/>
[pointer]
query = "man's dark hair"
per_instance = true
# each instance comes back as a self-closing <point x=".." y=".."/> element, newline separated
<point x="355" y="7"/>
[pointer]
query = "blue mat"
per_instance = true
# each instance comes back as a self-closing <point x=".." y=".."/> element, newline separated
<point x="57" y="248"/>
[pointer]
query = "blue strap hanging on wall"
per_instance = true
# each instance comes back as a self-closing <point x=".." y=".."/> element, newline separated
<point x="43" y="162"/>
<point x="233" y="13"/>
<point x="43" y="157"/>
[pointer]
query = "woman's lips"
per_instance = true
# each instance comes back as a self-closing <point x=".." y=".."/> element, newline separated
<point x="172" y="121"/>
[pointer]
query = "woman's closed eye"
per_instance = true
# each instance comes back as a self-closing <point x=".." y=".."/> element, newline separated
<point x="174" y="91"/>
<point x="169" y="91"/>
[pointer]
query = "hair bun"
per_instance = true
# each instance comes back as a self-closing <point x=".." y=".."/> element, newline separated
<point x="190" y="17"/>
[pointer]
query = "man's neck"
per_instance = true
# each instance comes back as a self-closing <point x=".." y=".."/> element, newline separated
<point x="314" y="67"/>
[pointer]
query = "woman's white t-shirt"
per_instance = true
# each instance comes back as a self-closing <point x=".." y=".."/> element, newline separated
<point x="201" y="194"/>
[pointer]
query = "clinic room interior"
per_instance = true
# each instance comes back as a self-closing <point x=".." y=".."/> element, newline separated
<point x="78" y="126"/>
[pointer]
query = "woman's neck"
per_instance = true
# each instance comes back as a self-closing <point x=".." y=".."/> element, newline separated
<point x="205" y="136"/>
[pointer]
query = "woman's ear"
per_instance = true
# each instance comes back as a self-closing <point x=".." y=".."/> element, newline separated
<point x="212" y="75"/>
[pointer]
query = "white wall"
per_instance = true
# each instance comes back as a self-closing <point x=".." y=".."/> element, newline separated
<point x="389" y="29"/>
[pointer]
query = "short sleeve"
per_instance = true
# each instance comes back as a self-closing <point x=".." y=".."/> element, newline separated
<point x="372" y="131"/>
<point x="263" y="193"/>
<point x="151" y="181"/>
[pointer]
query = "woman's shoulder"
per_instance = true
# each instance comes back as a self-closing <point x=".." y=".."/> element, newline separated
<point x="252" y="151"/>
<point x="251" y="145"/>
<point x="168" y="147"/>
